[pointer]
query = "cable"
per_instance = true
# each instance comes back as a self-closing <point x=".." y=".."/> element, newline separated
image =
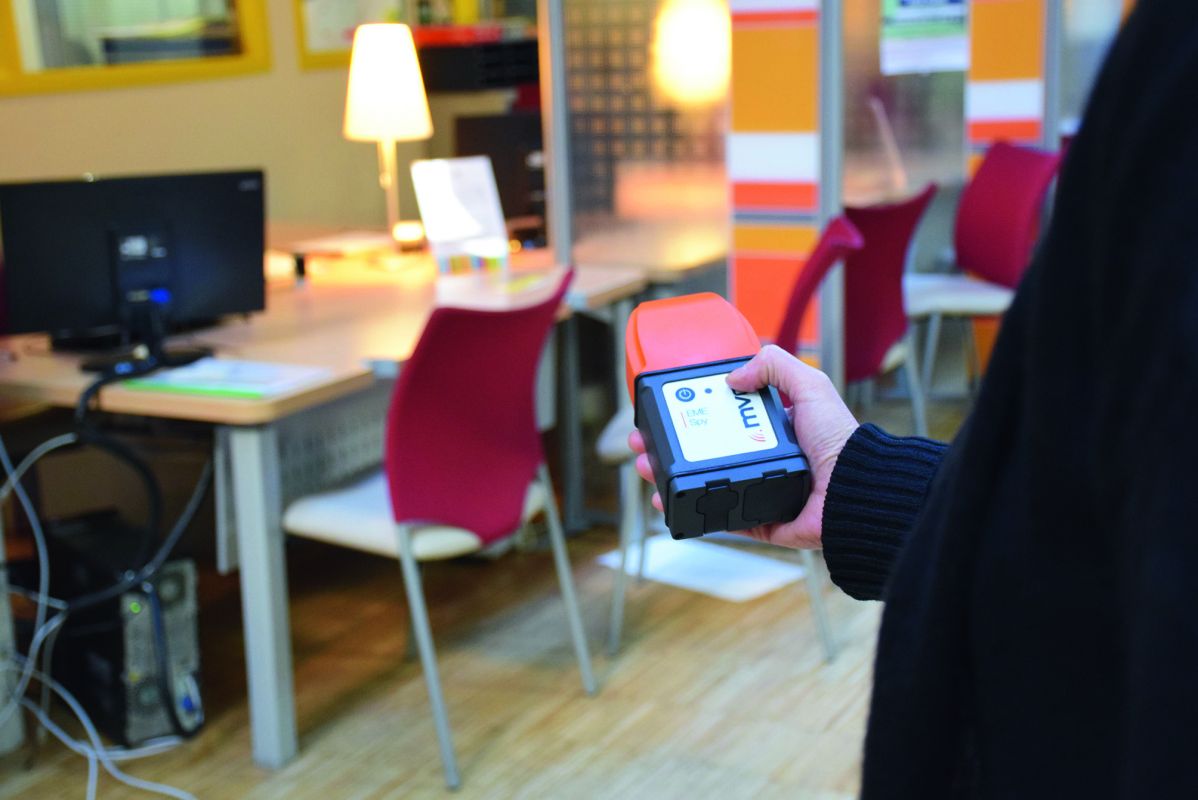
<point x="162" y="659"/>
<point x="152" y="567"/>
<point x="96" y="750"/>
<point x="42" y="628"/>
<point x="43" y="581"/>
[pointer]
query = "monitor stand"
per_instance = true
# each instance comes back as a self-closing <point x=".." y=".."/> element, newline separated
<point x="144" y="324"/>
<point x="139" y="359"/>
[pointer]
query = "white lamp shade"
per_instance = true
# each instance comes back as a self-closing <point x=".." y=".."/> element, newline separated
<point x="385" y="99"/>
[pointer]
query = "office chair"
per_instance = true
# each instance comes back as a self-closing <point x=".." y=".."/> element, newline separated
<point x="462" y="469"/>
<point x="996" y="228"/>
<point x="877" y="337"/>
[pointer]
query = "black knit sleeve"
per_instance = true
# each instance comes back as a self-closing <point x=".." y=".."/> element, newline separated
<point x="876" y="492"/>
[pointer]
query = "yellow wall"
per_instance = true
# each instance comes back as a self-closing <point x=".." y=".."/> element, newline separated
<point x="285" y="121"/>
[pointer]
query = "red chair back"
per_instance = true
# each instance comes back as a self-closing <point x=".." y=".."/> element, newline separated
<point x="462" y="443"/>
<point x="998" y="218"/>
<point x="874" y="317"/>
<point x="838" y="239"/>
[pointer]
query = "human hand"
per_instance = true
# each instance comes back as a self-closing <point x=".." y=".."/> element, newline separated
<point x="822" y="422"/>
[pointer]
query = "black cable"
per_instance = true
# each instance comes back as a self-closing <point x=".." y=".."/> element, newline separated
<point x="151" y="567"/>
<point x="162" y="658"/>
<point x="127" y="455"/>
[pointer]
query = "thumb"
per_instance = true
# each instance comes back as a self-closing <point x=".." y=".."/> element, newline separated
<point x="773" y="366"/>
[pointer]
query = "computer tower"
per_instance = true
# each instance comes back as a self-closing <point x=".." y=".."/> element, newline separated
<point x="111" y="655"/>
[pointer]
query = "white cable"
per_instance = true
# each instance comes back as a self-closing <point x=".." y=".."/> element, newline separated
<point x="61" y="735"/>
<point x="97" y="749"/>
<point x="43" y="567"/>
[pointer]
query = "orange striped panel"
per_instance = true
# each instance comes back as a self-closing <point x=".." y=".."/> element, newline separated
<point x="775" y="18"/>
<point x="1006" y="40"/>
<point x="761" y="288"/>
<point x="775" y="80"/>
<point x="985" y="333"/>
<point x="802" y="196"/>
<point x="1013" y="129"/>
<point x="775" y="240"/>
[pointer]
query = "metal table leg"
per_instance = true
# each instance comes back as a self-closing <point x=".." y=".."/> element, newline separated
<point x="254" y="456"/>
<point x="570" y="422"/>
<point x="12" y="733"/>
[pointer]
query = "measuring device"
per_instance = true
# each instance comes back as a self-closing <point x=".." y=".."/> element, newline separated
<point x="722" y="460"/>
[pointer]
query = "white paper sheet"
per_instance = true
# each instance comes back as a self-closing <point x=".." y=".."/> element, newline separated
<point x="711" y="569"/>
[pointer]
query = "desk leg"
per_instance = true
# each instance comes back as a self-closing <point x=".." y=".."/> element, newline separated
<point x="254" y="456"/>
<point x="12" y="733"/>
<point x="570" y="423"/>
<point x="621" y="310"/>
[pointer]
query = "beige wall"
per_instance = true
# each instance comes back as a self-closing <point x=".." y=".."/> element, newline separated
<point x="286" y="121"/>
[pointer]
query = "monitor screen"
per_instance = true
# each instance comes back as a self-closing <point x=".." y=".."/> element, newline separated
<point x="74" y="251"/>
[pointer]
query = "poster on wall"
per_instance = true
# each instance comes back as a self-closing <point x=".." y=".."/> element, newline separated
<point x="328" y="25"/>
<point x="921" y="36"/>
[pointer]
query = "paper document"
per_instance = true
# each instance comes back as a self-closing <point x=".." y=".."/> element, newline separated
<point x="710" y="569"/>
<point x="463" y="220"/>
<point x="222" y="377"/>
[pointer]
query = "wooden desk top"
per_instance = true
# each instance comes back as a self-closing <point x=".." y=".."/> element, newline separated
<point x="668" y="252"/>
<point x="342" y="318"/>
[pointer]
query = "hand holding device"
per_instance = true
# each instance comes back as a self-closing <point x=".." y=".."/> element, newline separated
<point x="822" y="425"/>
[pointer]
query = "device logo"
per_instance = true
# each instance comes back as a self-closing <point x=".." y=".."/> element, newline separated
<point x="685" y="394"/>
<point x="757" y="435"/>
<point x="748" y="416"/>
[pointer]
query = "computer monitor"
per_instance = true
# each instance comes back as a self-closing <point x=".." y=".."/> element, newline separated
<point x="131" y="257"/>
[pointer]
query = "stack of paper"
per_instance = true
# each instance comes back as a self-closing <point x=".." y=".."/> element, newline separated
<point x="221" y="377"/>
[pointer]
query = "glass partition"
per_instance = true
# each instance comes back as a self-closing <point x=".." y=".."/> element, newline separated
<point x="647" y="86"/>
<point x="56" y="45"/>
<point x="900" y="131"/>
<point x="1089" y="28"/>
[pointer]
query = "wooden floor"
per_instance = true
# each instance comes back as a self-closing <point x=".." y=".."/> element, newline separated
<point x="706" y="699"/>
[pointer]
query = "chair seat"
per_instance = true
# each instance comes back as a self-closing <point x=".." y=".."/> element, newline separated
<point x="612" y="446"/>
<point x="925" y="294"/>
<point x="359" y="516"/>
<point x="895" y="357"/>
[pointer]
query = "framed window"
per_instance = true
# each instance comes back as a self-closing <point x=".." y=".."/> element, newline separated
<point x="73" y="45"/>
<point x="325" y="28"/>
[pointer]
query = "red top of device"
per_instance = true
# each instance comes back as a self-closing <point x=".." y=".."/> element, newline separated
<point x="686" y="330"/>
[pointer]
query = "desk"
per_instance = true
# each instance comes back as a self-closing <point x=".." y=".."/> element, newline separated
<point x="341" y="321"/>
<point x="668" y="252"/>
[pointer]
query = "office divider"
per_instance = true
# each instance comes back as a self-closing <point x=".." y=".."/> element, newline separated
<point x="784" y="154"/>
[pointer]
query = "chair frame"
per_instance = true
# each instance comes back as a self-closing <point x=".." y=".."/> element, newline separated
<point x="422" y="633"/>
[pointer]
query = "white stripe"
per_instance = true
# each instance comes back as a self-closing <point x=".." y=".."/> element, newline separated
<point x="1004" y="100"/>
<point x="773" y="157"/>
<point x="741" y="6"/>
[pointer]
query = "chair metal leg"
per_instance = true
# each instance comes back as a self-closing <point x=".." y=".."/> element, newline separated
<point x="929" y="350"/>
<point x="428" y="656"/>
<point x="565" y="577"/>
<point x="410" y="651"/>
<point x="647" y="513"/>
<point x="815" y="588"/>
<point x="971" y="359"/>
<point x="919" y="412"/>
<point x="868" y="392"/>
<point x="630" y="511"/>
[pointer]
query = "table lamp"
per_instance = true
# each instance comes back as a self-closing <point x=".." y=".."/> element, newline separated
<point x="385" y="101"/>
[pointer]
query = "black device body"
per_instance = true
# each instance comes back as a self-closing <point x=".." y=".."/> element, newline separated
<point x="710" y="478"/>
<point x="117" y="261"/>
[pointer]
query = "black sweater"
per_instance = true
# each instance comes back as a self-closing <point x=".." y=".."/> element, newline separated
<point x="1040" y="635"/>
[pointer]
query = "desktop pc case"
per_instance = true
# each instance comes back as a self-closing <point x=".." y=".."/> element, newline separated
<point x="108" y="655"/>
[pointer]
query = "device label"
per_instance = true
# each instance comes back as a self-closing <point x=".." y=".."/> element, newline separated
<point x="712" y="421"/>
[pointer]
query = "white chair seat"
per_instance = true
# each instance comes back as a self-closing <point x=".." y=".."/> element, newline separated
<point x="953" y="295"/>
<point x="612" y="446"/>
<point x="359" y="516"/>
<point x="895" y="357"/>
